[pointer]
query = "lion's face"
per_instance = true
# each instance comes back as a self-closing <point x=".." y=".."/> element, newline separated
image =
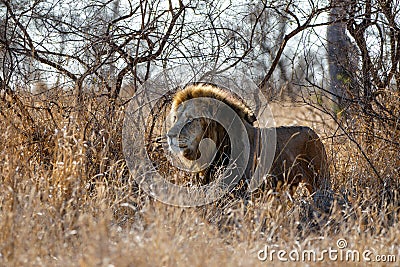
<point x="186" y="132"/>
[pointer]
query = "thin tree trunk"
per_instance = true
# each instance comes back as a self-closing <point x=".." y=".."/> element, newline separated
<point x="341" y="56"/>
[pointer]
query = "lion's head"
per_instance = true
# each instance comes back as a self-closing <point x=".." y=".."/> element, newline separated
<point x="187" y="131"/>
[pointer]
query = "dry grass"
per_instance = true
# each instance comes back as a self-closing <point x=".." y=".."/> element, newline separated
<point x="66" y="199"/>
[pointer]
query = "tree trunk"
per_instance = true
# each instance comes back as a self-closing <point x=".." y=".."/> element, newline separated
<point x="341" y="57"/>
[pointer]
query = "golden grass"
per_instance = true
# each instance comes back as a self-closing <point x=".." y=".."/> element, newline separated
<point x="66" y="199"/>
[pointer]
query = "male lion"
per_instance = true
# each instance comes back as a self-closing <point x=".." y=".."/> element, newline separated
<point x="300" y="155"/>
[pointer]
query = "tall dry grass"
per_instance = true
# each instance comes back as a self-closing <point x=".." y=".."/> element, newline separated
<point x="66" y="199"/>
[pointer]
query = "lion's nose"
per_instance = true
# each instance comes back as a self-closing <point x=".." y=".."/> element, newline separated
<point x="171" y="135"/>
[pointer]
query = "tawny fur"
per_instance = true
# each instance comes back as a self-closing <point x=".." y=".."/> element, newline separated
<point x="299" y="157"/>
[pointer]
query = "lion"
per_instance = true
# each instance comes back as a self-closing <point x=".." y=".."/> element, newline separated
<point x="300" y="155"/>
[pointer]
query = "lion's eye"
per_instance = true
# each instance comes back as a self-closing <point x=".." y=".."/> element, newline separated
<point x="174" y="118"/>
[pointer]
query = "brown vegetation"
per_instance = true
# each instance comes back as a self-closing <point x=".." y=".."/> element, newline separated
<point x="66" y="198"/>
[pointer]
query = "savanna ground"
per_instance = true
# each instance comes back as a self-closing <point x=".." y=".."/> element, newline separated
<point x="66" y="197"/>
